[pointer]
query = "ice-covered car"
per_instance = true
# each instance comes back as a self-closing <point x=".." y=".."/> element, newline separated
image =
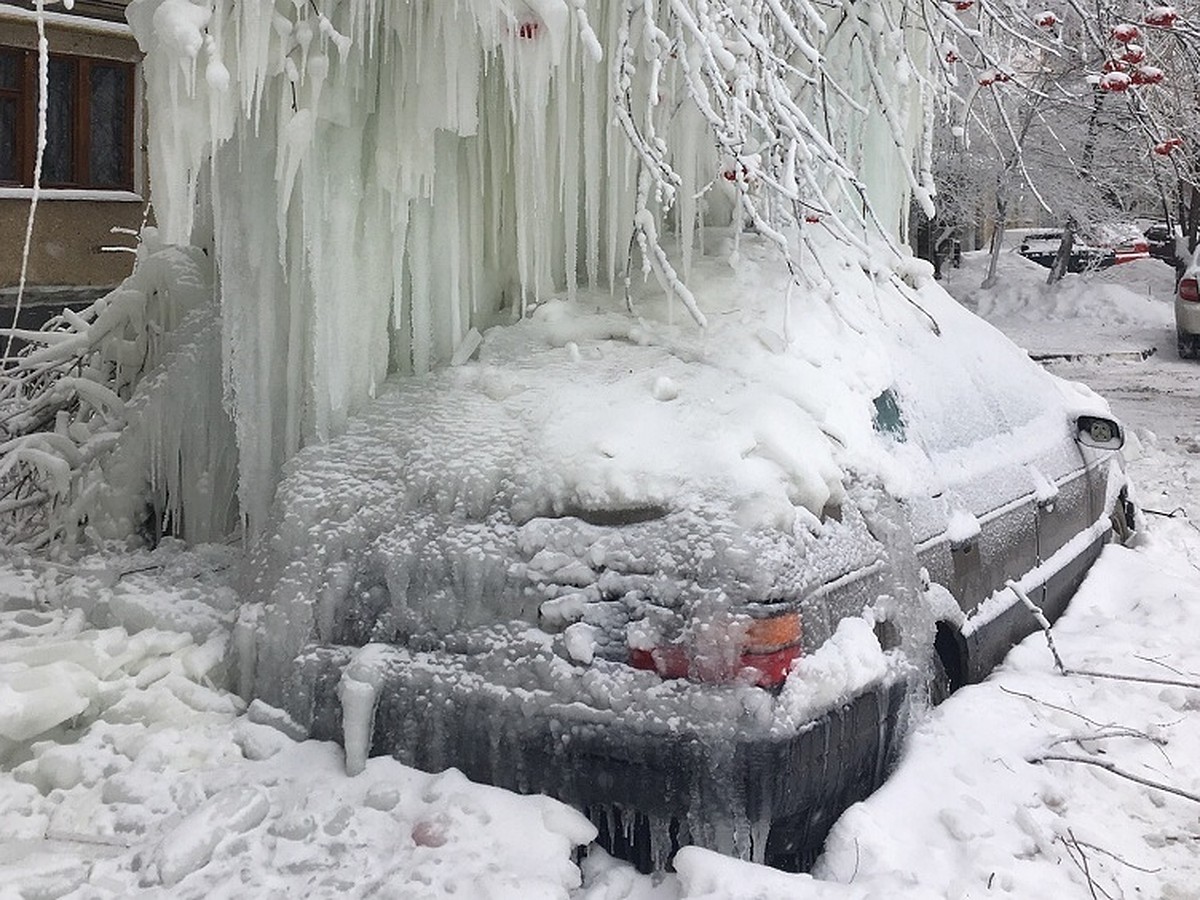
<point x="1187" y="311"/>
<point x="694" y="581"/>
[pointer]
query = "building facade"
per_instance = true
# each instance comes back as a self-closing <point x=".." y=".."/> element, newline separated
<point x="93" y="169"/>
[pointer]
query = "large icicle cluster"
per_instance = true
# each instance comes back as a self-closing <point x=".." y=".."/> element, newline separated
<point x="386" y="176"/>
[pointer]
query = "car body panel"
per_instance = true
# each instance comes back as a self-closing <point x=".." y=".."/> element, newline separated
<point x="1187" y="312"/>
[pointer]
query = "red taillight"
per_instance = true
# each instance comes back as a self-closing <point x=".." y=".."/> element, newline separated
<point x="1187" y="290"/>
<point x="761" y="651"/>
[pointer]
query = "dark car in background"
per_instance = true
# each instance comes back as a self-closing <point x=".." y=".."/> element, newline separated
<point x="1042" y="247"/>
<point x="1160" y="240"/>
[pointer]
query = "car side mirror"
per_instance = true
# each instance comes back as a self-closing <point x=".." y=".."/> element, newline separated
<point x="1099" y="433"/>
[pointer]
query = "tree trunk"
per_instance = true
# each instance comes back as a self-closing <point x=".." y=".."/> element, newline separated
<point x="997" y="235"/>
<point x="1062" y="259"/>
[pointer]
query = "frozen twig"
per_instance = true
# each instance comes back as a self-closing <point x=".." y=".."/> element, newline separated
<point x="1105" y="729"/>
<point x="1108" y="733"/>
<point x="1121" y="773"/>
<point x="1167" y="666"/>
<point x="1042" y="621"/>
<point x="1082" y="864"/>
<point x="1117" y="857"/>
<point x="1140" y="679"/>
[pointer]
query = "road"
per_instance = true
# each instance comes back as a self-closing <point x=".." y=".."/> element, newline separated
<point x="1160" y="393"/>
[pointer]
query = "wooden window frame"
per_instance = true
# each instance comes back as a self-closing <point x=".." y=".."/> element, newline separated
<point x="26" y="96"/>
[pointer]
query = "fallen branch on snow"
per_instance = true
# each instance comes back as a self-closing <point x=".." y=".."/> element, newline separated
<point x="1044" y="624"/>
<point x="1082" y="864"/>
<point x="1109" y="767"/>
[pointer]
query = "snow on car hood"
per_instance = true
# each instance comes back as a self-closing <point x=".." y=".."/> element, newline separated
<point x="481" y="491"/>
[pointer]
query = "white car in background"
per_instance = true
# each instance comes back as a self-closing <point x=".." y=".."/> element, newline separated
<point x="1187" y="311"/>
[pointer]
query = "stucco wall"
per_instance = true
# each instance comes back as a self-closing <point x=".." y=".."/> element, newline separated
<point x="67" y="237"/>
<point x="68" y="234"/>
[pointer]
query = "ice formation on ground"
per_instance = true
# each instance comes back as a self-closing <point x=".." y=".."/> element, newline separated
<point x="128" y="771"/>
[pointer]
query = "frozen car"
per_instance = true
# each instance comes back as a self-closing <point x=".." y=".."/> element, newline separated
<point x="1187" y="311"/>
<point x="694" y="581"/>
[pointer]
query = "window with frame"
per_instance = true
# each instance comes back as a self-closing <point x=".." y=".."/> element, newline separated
<point x="89" y="121"/>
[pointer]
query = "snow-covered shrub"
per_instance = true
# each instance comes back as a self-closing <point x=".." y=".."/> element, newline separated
<point x="112" y="416"/>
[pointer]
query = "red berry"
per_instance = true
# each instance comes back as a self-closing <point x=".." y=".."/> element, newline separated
<point x="1133" y="54"/>
<point x="1162" y="16"/>
<point x="1126" y="32"/>
<point x="1115" y="81"/>
<point x="1147" y="75"/>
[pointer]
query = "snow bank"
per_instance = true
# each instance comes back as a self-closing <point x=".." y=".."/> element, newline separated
<point x="999" y="819"/>
<point x="1124" y="308"/>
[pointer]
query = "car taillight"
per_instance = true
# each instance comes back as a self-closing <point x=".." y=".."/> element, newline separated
<point x="1188" y="292"/>
<point x="760" y="651"/>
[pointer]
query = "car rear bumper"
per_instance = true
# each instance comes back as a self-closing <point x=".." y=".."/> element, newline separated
<point x="1187" y="317"/>
<point x="651" y="784"/>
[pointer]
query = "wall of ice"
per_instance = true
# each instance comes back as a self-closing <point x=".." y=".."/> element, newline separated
<point x="383" y="177"/>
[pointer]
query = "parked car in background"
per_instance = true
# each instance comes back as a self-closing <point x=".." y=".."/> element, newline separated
<point x="1041" y="247"/>
<point x="1160" y="240"/>
<point x="1126" y="241"/>
<point x="1094" y="247"/>
<point x="1187" y="311"/>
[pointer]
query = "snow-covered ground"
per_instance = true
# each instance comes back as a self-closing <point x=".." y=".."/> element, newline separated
<point x="127" y="770"/>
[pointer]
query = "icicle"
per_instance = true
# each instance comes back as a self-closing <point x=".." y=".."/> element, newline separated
<point x="358" y="691"/>
<point x="428" y="163"/>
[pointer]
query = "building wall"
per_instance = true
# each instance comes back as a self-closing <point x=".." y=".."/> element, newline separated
<point x="69" y="230"/>
<point x="67" y="237"/>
